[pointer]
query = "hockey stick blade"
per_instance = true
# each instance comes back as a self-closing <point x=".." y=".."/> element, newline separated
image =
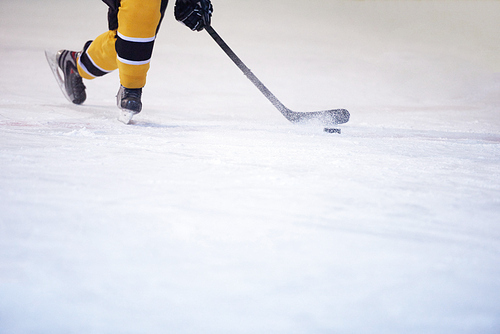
<point x="324" y="117"/>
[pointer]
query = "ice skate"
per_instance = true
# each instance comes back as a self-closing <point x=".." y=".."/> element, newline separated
<point x="64" y="66"/>
<point x="129" y="101"/>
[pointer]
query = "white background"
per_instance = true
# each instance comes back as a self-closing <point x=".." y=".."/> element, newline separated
<point x="212" y="214"/>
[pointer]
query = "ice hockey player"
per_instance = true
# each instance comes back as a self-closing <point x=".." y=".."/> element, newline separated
<point x="127" y="46"/>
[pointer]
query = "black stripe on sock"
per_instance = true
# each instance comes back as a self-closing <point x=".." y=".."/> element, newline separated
<point x="134" y="51"/>
<point x="84" y="58"/>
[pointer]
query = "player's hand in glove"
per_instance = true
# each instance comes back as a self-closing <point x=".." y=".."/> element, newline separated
<point x="195" y="14"/>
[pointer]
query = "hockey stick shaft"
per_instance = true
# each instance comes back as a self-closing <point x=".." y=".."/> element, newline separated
<point x="248" y="73"/>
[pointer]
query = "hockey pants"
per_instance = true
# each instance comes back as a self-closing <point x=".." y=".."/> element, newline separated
<point x="128" y="45"/>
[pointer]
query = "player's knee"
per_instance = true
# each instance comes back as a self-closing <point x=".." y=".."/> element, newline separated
<point x="139" y="18"/>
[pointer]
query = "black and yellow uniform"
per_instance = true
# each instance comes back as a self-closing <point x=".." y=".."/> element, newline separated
<point x="128" y="45"/>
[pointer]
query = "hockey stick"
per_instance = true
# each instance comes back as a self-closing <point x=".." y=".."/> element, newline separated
<point x="324" y="117"/>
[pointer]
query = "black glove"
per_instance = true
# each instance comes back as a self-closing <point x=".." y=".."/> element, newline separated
<point x="195" y="14"/>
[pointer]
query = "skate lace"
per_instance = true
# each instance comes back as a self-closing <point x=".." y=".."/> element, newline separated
<point x="134" y="94"/>
<point x="77" y="84"/>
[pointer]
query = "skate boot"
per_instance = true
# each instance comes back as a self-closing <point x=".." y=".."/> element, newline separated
<point x="129" y="101"/>
<point x="73" y="88"/>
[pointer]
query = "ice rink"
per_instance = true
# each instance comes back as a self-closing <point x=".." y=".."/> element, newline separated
<point x="211" y="213"/>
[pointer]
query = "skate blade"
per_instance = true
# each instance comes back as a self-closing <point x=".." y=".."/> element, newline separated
<point x="52" y="60"/>
<point x="125" y="116"/>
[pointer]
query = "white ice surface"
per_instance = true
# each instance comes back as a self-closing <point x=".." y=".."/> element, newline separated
<point x="212" y="214"/>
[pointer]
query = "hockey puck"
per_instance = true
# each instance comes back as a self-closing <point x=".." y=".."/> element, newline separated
<point x="332" y="130"/>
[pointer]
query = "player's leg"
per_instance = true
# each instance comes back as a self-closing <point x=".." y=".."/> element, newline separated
<point x="138" y="23"/>
<point x="98" y="57"/>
